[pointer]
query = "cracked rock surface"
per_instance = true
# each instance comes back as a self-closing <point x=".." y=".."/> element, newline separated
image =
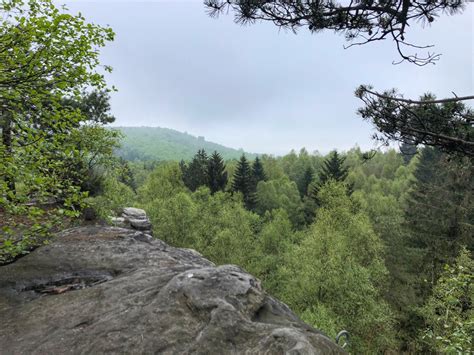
<point x="107" y="289"/>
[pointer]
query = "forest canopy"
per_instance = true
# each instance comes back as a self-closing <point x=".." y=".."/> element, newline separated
<point x="378" y="244"/>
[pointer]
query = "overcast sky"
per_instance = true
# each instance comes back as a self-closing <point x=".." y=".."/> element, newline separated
<point x="256" y="87"/>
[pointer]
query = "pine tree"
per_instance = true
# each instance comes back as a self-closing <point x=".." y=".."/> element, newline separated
<point x="243" y="182"/>
<point x="195" y="175"/>
<point x="216" y="174"/>
<point x="333" y="169"/>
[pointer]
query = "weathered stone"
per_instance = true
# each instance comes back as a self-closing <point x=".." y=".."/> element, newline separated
<point x="136" y="219"/>
<point x="112" y="290"/>
<point x="134" y="213"/>
<point x="140" y="224"/>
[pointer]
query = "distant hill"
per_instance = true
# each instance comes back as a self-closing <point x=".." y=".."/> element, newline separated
<point x="156" y="143"/>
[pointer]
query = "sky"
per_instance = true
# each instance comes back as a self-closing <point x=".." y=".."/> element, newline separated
<point x="258" y="87"/>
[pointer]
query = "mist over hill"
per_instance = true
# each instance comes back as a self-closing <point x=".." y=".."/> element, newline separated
<point x="157" y="143"/>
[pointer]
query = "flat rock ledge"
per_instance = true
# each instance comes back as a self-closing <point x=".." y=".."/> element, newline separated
<point x="106" y="289"/>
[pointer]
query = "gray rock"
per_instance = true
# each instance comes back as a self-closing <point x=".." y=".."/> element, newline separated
<point x="134" y="213"/>
<point x="140" y="224"/>
<point x="107" y="289"/>
<point x="137" y="219"/>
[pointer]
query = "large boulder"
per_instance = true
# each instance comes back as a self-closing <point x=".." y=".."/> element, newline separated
<point x="106" y="289"/>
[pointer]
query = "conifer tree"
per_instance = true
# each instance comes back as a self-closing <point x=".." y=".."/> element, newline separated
<point x="333" y="169"/>
<point x="258" y="172"/>
<point x="195" y="175"/>
<point x="243" y="182"/>
<point x="216" y="174"/>
<point x="439" y="214"/>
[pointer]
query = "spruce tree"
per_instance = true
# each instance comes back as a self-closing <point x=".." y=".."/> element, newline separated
<point x="216" y="174"/>
<point x="439" y="214"/>
<point x="258" y="172"/>
<point x="243" y="182"/>
<point x="195" y="175"/>
<point x="332" y="169"/>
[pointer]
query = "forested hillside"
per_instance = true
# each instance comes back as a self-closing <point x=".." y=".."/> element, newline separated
<point x="160" y="144"/>
<point x="353" y="240"/>
<point x="378" y="243"/>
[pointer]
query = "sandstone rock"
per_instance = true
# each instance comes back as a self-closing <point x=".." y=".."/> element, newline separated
<point x="135" y="213"/>
<point x="136" y="219"/>
<point x="106" y="289"/>
<point x="140" y="224"/>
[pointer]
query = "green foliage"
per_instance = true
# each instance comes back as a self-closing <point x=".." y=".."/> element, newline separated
<point x="205" y="171"/>
<point x="164" y="182"/>
<point x="126" y="174"/>
<point x="226" y="229"/>
<point x="272" y="244"/>
<point x="272" y="167"/>
<point x="95" y="106"/>
<point x="258" y="172"/>
<point x="352" y="263"/>
<point x="445" y="125"/>
<point x="163" y="144"/>
<point x="216" y="224"/>
<point x="92" y="156"/>
<point x="305" y="181"/>
<point x="449" y="311"/>
<point x="216" y="174"/>
<point x="333" y="169"/>
<point x="280" y="194"/>
<point x="196" y="174"/>
<point x="114" y="196"/>
<point x="46" y="55"/>
<point x="322" y="317"/>
<point x="243" y="182"/>
<point x="371" y="262"/>
<point x="338" y="268"/>
<point x="439" y="213"/>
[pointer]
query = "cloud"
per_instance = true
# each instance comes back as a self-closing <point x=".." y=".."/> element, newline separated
<point x="256" y="87"/>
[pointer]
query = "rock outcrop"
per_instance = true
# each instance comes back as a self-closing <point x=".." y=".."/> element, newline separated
<point x="107" y="289"/>
<point x="133" y="218"/>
